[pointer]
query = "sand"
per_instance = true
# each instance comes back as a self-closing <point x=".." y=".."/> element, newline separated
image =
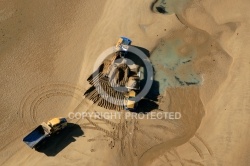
<point x="48" y="50"/>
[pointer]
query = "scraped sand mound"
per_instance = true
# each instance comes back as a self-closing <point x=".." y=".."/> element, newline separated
<point x="48" y="50"/>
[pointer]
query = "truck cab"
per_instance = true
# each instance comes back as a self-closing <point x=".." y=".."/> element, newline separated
<point x="123" y="44"/>
<point x="57" y="124"/>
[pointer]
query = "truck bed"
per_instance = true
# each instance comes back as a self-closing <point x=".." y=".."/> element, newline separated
<point x="35" y="136"/>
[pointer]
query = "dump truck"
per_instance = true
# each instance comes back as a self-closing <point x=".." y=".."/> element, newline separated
<point x="43" y="131"/>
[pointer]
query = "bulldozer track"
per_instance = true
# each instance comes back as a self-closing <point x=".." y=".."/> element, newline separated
<point x="115" y="125"/>
<point x="102" y="85"/>
<point x="117" y="131"/>
<point x="97" y="127"/>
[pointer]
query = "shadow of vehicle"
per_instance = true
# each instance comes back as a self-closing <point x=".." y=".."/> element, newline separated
<point x="144" y="50"/>
<point x="149" y="102"/>
<point x="154" y="91"/>
<point x="136" y="56"/>
<point x="52" y="145"/>
<point x="145" y="106"/>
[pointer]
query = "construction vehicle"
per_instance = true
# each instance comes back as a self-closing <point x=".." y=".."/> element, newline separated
<point x="121" y="49"/>
<point x="119" y="76"/>
<point x="133" y="82"/>
<point x="129" y="101"/>
<point x="43" y="131"/>
<point x="133" y="85"/>
<point x="123" y="44"/>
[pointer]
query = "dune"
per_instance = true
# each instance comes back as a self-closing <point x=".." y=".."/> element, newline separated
<point x="199" y="50"/>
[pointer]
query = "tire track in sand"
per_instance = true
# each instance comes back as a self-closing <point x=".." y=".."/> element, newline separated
<point x="37" y="95"/>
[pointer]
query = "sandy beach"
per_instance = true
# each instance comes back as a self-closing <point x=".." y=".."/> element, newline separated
<point x="200" y="53"/>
